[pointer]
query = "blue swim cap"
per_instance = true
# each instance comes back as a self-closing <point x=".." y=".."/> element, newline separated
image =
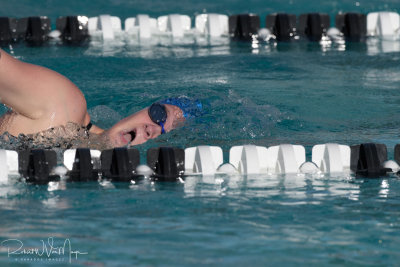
<point x="191" y="108"/>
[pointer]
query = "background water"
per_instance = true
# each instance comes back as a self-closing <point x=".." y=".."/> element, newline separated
<point x="297" y="93"/>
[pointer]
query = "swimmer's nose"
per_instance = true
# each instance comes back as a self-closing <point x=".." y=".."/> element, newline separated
<point x="152" y="131"/>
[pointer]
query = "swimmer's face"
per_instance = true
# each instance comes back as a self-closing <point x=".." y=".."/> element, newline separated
<point x="138" y="128"/>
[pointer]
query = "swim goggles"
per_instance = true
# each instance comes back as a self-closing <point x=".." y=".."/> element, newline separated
<point x="158" y="114"/>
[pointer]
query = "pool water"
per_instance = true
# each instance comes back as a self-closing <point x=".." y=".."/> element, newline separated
<point x="298" y="93"/>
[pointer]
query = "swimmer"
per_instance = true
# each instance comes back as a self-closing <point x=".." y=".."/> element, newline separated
<point x="41" y="101"/>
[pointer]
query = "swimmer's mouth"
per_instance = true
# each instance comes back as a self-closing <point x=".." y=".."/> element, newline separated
<point x="133" y="135"/>
<point x="128" y="137"/>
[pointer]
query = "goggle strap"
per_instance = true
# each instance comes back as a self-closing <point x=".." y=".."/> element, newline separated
<point x="162" y="127"/>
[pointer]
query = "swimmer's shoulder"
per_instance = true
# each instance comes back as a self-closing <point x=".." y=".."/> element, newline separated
<point x="40" y="94"/>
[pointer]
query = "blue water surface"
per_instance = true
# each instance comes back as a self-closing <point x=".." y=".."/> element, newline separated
<point x="299" y="93"/>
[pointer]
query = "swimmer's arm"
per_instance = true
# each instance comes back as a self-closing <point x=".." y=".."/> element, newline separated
<point x="35" y="91"/>
<point x="96" y="130"/>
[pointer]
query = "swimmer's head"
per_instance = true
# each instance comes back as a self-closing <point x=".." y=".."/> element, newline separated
<point x="149" y="123"/>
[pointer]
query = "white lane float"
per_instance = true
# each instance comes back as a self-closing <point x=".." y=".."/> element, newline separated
<point x="142" y="26"/>
<point x="175" y="25"/>
<point x="8" y="164"/>
<point x="213" y="25"/>
<point x="249" y="159"/>
<point x="286" y="158"/>
<point x="384" y="25"/>
<point x="105" y="27"/>
<point x="203" y="160"/>
<point x="331" y="158"/>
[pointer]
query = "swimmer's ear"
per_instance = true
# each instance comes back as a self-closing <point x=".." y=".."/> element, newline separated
<point x="178" y="113"/>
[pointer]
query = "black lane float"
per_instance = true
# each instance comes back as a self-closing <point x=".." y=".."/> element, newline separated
<point x="244" y="27"/>
<point x="313" y="26"/>
<point x="83" y="169"/>
<point x="8" y="28"/>
<point x="119" y="164"/>
<point x="282" y="25"/>
<point x="353" y="26"/>
<point x="168" y="163"/>
<point x="367" y="160"/>
<point x="34" y="30"/>
<point x="73" y="29"/>
<point x="35" y="165"/>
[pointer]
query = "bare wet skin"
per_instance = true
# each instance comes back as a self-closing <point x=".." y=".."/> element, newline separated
<point x="74" y="135"/>
<point x="71" y="135"/>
